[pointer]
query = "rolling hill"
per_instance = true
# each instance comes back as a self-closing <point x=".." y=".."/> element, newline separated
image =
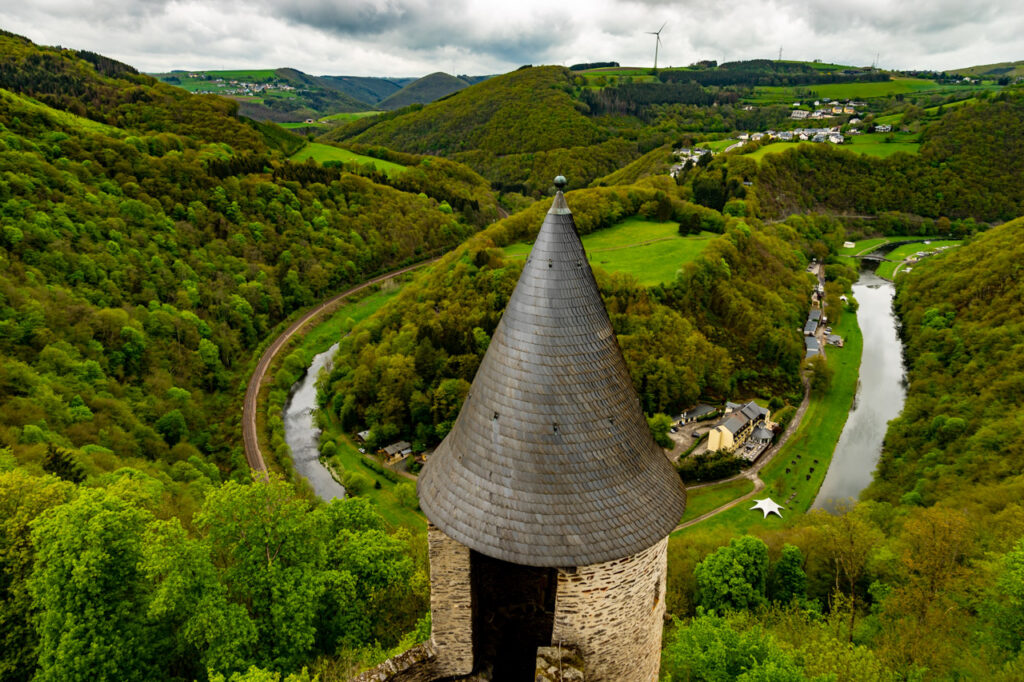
<point x="423" y="91"/>
<point x="280" y="95"/>
<point x="1011" y="69"/>
<point x="366" y="88"/>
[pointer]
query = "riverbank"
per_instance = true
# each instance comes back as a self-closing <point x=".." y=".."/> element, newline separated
<point x="305" y="347"/>
<point x="797" y="471"/>
<point x="879" y="399"/>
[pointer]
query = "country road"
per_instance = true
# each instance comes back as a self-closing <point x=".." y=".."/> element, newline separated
<point x="250" y="437"/>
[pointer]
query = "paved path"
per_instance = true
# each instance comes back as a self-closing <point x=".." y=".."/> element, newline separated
<point x="250" y="436"/>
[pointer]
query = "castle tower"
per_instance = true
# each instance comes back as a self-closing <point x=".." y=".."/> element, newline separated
<point x="549" y="502"/>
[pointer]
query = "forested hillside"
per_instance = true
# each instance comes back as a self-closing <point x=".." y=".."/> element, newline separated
<point x="141" y="269"/>
<point x="519" y="130"/>
<point x="925" y="579"/>
<point x="143" y="260"/>
<point x="107" y="91"/>
<point x="970" y="165"/>
<point x="728" y="322"/>
<point x="427" y="89"/>
<point x="962" y="426"/>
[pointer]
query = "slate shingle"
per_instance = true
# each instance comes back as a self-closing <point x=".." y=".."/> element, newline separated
<point x="550" y="462"/>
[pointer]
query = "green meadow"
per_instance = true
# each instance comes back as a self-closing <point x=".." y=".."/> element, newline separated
<point x="930" y="112"/>
<point x="869" y="144"/>
<point x="702" y="500"/>
<point x="348" y="116"/>
<point x="325" y="152"/>
<point x="650" y="251"/>
<point x="843" y="91"/>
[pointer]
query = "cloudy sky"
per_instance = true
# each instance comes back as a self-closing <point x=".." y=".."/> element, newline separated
<point x="415" y="37"/>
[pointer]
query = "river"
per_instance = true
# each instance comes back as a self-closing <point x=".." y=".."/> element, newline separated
<point x="303" y="436"/>
<point x="880" y="394"/>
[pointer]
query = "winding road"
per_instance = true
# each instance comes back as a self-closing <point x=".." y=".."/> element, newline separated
<point x="250" y="435"/>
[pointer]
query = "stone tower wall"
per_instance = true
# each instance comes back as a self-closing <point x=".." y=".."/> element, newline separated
<point x="613" y="612"/>
<point x="451" y="603"/>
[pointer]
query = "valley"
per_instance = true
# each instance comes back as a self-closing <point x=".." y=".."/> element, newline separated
<point x="229" y="351"/>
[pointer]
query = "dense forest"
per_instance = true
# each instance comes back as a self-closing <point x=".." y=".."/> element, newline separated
<point x="141" y="269"/>
<point x="961" y="427"/>
<point x="765" y="72"/>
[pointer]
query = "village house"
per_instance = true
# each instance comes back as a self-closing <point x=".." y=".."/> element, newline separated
<point x="737" y="426"/>
<point x="812" y="347"/>
<point x="697" y="413"/>
<point x="396" y="452"/>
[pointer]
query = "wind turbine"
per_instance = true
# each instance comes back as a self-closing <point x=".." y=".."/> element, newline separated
<point x="657" y="43"/>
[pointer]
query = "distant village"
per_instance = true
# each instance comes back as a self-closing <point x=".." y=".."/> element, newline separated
<point x="235" y="87"/>
<point x="823" y="109"/>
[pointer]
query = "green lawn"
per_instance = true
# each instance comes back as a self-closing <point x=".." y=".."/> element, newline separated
<point x="815" y="439"/>
<point x="383" y="499"/>
<point x="887" y="269"/>
<point x="703" y="500"/>
<point x="650" y="251"/>
<point x="325" y="152"/>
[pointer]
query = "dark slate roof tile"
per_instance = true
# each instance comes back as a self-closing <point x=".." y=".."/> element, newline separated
<point x="596" y="489"/>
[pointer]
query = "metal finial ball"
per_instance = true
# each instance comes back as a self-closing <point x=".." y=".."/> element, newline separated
<point x="561" y="182"/>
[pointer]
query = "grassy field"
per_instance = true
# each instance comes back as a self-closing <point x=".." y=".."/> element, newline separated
<point x="871" y="144"/>
<point x="703" y="500"/>
<point x="810" y="448"/>
<point x="650" y="251"/>
<point x="317" y="340"/>
<point x="843" y="91"/>
<point x="930" y="112"/>
<point x="325" y="152"/>
<point x="887" y="269"/>
<point x="346" y="117"/>
<point x="717" y="145"/>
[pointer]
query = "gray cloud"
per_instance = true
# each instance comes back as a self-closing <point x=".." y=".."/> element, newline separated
<point x="414" y="37"/>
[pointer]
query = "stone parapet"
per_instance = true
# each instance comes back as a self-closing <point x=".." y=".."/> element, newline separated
<point x="451" y="603"/>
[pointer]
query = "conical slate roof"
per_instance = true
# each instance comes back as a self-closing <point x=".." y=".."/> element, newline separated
<point x="550" y="462"/>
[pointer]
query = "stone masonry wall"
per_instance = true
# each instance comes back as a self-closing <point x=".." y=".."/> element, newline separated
<point x="451" y="603"/>
<point x="613" y="613"/>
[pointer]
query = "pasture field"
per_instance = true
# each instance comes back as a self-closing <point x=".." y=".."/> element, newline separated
<point x="325" y="152"/>
<point x="870" y="144"/>
<point x="346" y="117"/>
<point x="717" y="145"/>
<point x="810" y="447"/>
<point x="843" y="91"/>
<point x="650" y="251"/>
<point x="930" y="112"/>
<point x="702" y="500"/>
